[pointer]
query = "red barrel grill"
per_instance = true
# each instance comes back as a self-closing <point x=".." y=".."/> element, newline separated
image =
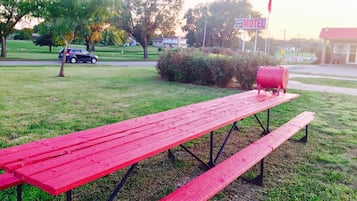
<point x="274" y="78"/>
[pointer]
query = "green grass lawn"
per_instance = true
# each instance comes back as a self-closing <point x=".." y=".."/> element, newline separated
<point x="36" y="104"/>
<point x="328" y="82"/>
<point x="26" y="50"/>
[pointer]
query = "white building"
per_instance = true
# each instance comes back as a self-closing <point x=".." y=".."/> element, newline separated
<point x="170" y="42"/>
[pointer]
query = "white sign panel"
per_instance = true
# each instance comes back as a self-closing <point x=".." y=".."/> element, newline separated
<point x="250" y="23"/>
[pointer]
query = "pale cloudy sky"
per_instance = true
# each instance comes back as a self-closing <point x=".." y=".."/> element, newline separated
<point x="302" y="18"/>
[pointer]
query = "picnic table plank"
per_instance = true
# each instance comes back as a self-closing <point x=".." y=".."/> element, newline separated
<point x="73" y="141"/>
<point x="77" y="137"/>
<point x="163" y="130"/>
<point x="138" y="132"/>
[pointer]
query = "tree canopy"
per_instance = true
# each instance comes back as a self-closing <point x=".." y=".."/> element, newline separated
<point x="219" y="17"/>
<point x="12" y="12"/>
<point x="142" y="18"/>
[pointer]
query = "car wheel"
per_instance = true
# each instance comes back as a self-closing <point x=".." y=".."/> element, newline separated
<point x="73" y="60"/>
<point x="94" y="60"/>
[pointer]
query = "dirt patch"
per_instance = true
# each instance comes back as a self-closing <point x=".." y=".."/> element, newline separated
<point x="352" y="154"/>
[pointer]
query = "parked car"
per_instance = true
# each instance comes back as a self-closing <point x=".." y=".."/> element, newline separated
<point x="78" y="55"/>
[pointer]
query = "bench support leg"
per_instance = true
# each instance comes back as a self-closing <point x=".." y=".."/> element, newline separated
<point x="268" y="121"/>
<point x="212" y="160"/>
<point x="122" y="182"/>
<point x="266" y="129"/>
<point x="19" y="192"/>
<point x="211" y="163"/>
<point x="304" y="139"/>
<point x="258" y="180"/>
<point x="195" y="156"/>
<point x="69" y="195"/>
<point x="234" y="126"/>
<point x="171" y="155"/>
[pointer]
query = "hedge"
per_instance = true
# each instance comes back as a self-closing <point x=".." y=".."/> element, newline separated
<point x="214" y="66"/>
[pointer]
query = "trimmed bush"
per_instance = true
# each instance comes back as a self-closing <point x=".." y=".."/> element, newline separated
<point x="213" y="66"/>
<point x="201" y="72"/>
<point x="246" y="71"/>
<point x="176" y="66"/>
<point x="221" y="69"/>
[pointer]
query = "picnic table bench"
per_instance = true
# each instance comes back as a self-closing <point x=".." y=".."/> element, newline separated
<point x="60" y="164"/>
<point x="214" y="180"/>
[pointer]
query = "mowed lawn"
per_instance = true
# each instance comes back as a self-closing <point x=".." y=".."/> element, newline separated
<point x="36" y="104"/>
<point x="27" y="50"/>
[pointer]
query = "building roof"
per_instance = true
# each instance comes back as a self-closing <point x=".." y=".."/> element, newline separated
<point x="338" y="33"/>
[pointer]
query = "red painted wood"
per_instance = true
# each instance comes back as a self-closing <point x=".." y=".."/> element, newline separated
<point x="46" y="150"/>
<point x="65" y="162"/>
<point x="8" y="180"/>
<point x="45" y="146"/>
<point x="109" y="143"/>
<point x="211" y="182"/>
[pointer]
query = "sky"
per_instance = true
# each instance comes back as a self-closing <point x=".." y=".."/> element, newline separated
<point x="302" y="18"/>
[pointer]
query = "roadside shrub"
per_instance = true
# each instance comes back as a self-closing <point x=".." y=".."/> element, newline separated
<point x="219" y="51"/>
<point x="246" y="70"/>
<point x="176" y="66"/>
<point x="163" y="66"/>
<point x="202" y="74"/>
<point x="221" y="69"/>
<point x="214" y="66"/>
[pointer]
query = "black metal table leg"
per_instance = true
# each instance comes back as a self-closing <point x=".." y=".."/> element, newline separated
<point x="225" y="141"/>
<point x="19" y="192"/>
<point x="69" y="195"/>
<point x="211" y="162"/>
<point x="268" y="121"/>
<point x="122" y="182"/>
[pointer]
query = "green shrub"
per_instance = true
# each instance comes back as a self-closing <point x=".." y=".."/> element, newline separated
<point x="221" y="69"/>
<point x="219" y="51"/>
<point x="212" y="66"/>
<point x="202" y="74"/>
<point x="246" y="72"/>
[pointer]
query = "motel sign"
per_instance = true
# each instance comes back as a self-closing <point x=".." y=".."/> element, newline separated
<point x="250" y="23"/>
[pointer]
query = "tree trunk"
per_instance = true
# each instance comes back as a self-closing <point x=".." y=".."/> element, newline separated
<point x="3" y="46"/>
<point x="145" y="47"/>
<point x="87" y="46"/>
<point x="61" y="73"/>
<point x="92" y="48"/>
<point x="50" y="48"/>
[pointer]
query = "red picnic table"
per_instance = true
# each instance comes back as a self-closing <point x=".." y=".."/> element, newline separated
<point x="60" y="164"/>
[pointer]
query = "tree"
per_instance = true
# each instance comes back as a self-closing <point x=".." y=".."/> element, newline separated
<point x="96" y="18"/>
<point x="12" y="12"/>
<point x="113" y="36"/>
<point x="142" y="18"/>
<point x="195" y="23"/>
<point x="64" y="16"/>
<point x="23" y="34"/>
<point x="47" y="37"/>
<point x="219" y="17"/>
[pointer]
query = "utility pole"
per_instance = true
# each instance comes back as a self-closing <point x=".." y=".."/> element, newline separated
<point x="255" y="40"/>
<point x="204" y="35"/>
<point x="284" y="34"/>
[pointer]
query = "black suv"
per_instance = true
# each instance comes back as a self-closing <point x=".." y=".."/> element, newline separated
<point x="77" y="55"/>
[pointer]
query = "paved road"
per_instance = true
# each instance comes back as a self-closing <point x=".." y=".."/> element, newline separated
<point x="323" y="71"/>
<point x="109" y="63"/>
<point x="312" y="71"/>
<point x="331" y="70"/>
